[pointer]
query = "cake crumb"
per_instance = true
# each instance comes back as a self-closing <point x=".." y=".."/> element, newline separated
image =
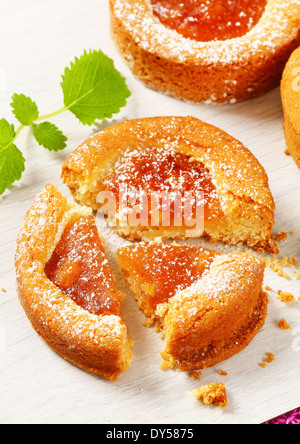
<point x="270" y="358"/>
<point x="167" y="362"/>
<point x="211" y="394"/>
<point x="277" y="266"/>
<point x="281" y="237"/>
<point x="286" y="297"/>
<point x="3" y="290"/>
<point x="293" y="261"/>
<point x="284" y="325"/>
<point x="165" y="365"/>
<point x="222" y="372"/>
<point x="267" y="288"/>
<point x="196" y="375"/>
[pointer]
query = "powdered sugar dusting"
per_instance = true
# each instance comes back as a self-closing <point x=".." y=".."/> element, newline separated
<point x="139" y="18"/>
<point x="223" y="277"/>
<point x="226" y="60"/>
<point x="37" y="240"/>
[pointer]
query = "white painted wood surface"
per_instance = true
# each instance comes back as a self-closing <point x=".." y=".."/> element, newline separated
<point x="37" y="40"/>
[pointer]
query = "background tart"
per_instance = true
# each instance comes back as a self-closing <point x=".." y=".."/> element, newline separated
<point x="66" y="288"/>
<point x="290" y="91"/>
<point x="218" y="316"/>
<point x="166" y="56"/>
<point x="177" y="154"/>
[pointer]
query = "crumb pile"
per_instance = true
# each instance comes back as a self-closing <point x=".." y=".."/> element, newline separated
<point x="211" y="394"/>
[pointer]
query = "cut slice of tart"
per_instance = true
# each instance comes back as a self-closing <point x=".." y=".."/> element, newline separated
<point x="66" y="287"/>
<point x="218" y="316"/>
<point x="156" y="272"/>
<point x="209" y="310"/>
<point x="172" y="178"/>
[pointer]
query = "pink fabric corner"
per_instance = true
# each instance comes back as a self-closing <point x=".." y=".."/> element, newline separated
<point x="292" y="417"/>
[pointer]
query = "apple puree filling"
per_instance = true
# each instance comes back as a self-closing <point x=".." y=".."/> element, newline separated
<point x="80" y="269"/>
<point x="162" y="270"/>
<point x="158" y="171"/>
<point x="209" y="20"/>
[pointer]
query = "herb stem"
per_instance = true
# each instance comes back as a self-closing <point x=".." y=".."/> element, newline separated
<point x="19" y="130"/>
<point x="55" y="113"/>
<point x="46" y="116"/>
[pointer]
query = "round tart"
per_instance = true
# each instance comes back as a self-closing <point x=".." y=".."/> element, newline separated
<point x="290" y="91"/>
<point x="66" y="287"/>
<point x="243" y="48"/>
<point x="174" y="156"/>
<point x="209" y="306"/>
<point x="218" y="316"/>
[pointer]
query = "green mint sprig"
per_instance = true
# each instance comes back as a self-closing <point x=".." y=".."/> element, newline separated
<point x="93" y="90"/>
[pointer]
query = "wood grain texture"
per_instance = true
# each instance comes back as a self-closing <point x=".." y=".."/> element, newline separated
<point x="37" y="40"/>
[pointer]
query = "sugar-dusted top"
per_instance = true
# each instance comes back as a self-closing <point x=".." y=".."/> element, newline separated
<point x="163" y="270"/>
<point x="43" y="301"/>
<point x="209" y="20"/>
<point x="142" y="175"/>
<point x="233" y="168"/>
<point x="278" y="23"/>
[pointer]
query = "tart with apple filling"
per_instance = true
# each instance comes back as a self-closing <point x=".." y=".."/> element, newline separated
<point x="290" y="92"/>
<point x="174" y="156"/>
<point x="66" y="287"/>
<point x="215" y="51"/>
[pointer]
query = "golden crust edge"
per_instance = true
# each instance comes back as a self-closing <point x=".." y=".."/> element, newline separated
<point x="95" y="156"/>
<point x="291" y="105"/>
<point x="83" y="339"/>
<point x="201" y="362"/>
<point x="180" y="76"/>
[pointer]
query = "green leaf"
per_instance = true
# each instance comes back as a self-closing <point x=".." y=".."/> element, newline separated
<point x="12" y="165"/>
<point x="25" y="110"/>
<point x="7" y="133"/>
<point x="93" y="88"/>
<point x="49" y="136"/>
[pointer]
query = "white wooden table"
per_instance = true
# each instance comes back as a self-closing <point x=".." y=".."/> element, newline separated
<point x="37" y="40"/>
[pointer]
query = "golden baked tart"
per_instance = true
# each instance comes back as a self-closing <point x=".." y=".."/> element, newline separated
<point x="171" y="178"/>
<point x="290" y="91"/>
<point x="215" y="51"/>
<point x="66" y="287"/>
<point x="208" y="312"/>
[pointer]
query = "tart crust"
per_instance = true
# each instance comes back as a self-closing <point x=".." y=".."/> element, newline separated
<point x="241" y="182"/>
<point x="97" y="344"/>
<point x="290" y="91"/>
<point x="215" y="311"/>
<point x="217" y="317"/>
<point x="214" y="72"/>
